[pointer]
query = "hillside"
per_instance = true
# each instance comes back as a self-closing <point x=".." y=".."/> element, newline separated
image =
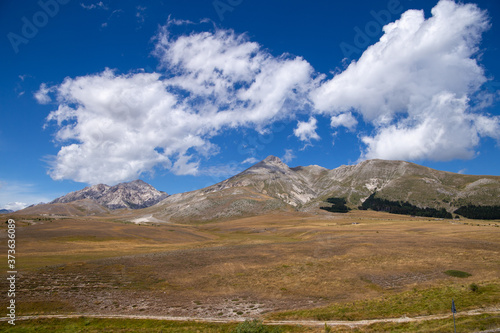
<point x="409" y="182"/>
<point x="83" y="207"/>
<point x="134" y="195"/>
<point x="272" y="186"/>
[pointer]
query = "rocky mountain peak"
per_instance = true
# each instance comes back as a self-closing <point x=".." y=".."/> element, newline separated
<point x="135" y="194"/>
<point x="98" y="187"/>
<point x="137" y="182"/>
<point x="272" y="159"/>
<point x="135" y="185"/>
<point x="270" y="185"/>
<point x="91" y="192"/>
<point x="270" y="164"/>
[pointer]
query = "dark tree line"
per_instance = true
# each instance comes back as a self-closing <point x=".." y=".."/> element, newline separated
<point x="403" y="208"/>
<point x="338" y="205"/>
<point x="479" y="212"/>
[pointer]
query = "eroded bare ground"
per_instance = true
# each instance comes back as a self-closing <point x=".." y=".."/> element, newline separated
<point x="243" y="268"/>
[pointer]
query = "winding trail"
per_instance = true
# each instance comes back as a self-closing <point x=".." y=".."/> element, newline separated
<point x="352" y="324"/>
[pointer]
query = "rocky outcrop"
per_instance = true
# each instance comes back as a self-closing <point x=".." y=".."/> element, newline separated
<point x="134" y="195"/>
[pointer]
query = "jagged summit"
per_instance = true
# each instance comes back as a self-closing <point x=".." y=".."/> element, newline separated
<point x="269" y="164"/>
<point x="272" y="159"/>
<point x="139" y="182"/>
<point x="272" y="186"/>
<point x="135" y="194"/>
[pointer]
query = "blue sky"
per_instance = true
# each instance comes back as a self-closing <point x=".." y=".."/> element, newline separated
<point x="183" y="94"/>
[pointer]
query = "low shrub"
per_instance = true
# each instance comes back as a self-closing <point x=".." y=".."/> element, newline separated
<point x="458" y="274"/>
<point x="254" y="326"/>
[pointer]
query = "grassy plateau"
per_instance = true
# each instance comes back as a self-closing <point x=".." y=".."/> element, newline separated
<point x="292" y="271"/>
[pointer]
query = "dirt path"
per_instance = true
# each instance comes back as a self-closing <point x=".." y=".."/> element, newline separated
<point x="352" y="324"/>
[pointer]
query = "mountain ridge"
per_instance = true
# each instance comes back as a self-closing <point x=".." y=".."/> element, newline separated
<point x="305" y="188"/>
<point x="272" y="186"/>
<point x="135" y="194"/>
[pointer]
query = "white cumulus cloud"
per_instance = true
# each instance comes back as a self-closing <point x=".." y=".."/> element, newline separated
<point x="306" y="130"/>
<point x="444" y="131"/>
<point x="114" y="127"/>
<point x="250" y="160"/>
<point x="344" y="119"/>
<point x="232" y="78"/>
<point x="414" y="86"/>
<point x="42" y="95"/>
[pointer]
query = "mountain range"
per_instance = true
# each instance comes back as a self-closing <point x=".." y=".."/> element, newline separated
<point x="134" y="195"/>
<point x="271" y="186"/>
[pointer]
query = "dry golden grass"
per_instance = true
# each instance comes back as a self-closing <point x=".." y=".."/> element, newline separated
<point x="249" y="266"/>
<point x="69" y="240"/>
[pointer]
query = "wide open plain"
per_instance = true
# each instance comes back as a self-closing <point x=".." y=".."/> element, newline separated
<point x="291" y="266"/>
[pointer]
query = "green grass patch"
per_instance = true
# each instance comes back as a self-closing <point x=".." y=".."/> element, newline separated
<point x="98" y="325"/>
<point x="464" y="324"/>
<point x="410" y="303"/>
<point x="458" y="274"/>
<point x="255" y="326"/>
<point x="95" y="325"/>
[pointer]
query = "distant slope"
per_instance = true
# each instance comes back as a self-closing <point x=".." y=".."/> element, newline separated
<point x="134" y="195"/>
<point x="84" y="207"/>
<point x="267" y="186"/>
<point x="309" y="186"/>
<point x="209" y="204"/>
<point x="274" y="178"/>
<point x="271" y="185"/>
<point x="409" y="182"/>
<point x="5" y="211"/>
